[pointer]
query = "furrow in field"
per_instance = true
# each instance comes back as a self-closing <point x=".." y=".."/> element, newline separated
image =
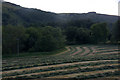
<point x="58" y="65"/>
<point x="64" y="70"/>
<point x="78" y="51"/>
<point x="83" y="73"/>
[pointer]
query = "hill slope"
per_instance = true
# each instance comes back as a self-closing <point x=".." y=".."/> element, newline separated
<point x="16" y="15"/>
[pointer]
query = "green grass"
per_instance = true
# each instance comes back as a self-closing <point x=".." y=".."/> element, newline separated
<point x="29" y="54"/>
<point x="101" y="76"/>
<point x="35" y="59"/>
<point x="58" y="68"/>
<point x="74" y="71"/>
<point x="57" y="60"/>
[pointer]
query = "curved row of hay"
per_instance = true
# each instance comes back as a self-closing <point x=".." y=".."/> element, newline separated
<point x="76" y="61"/>
<point x="83" y="50"/>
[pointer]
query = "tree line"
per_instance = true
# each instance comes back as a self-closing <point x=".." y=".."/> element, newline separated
<point x="45" y="39"/>
<point x="32" y="39"/>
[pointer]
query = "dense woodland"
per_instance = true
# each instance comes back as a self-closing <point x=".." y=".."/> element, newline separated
<point x="42" y="31"/>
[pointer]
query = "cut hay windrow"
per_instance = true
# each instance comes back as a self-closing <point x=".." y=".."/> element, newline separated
<point x="114" y="77"/>
<point x="73" y="50"/>
<point x="108" y="50"/>
<point x="91" y="51"/>
<point x="58" y="65"/>
<point x="83" y="73"/>
<point x="100" y="52"/>
<point x="68" y="50"/>
<point x="109" y="53"/>
<point x="94" y="49"/>
<point x="46" y="72"/>
<point x="87" y="50"/>
<point x="61" y="60"/>
<point x="78" y="51"/>
<point x="65" y="67"/>
<point x="76" y="61"/>
<point x="66" y="70"/>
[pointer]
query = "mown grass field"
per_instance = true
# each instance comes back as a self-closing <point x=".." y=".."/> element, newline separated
<point x="76" y="61"/>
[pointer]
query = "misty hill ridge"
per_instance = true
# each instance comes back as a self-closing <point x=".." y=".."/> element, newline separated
<point x="16" y="15"/>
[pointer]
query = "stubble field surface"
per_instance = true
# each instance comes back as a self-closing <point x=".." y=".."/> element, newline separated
<point x="77" y="61"/>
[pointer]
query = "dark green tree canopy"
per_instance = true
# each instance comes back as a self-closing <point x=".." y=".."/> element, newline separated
<point x="116" y="31"/>
<point x="100" y="32"/>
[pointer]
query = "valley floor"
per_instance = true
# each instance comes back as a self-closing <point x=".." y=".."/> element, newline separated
<point x="77" y="61"/>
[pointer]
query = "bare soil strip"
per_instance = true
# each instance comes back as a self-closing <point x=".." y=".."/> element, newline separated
<point x="58" y="65"/>
<point x="68" y="49"/>
<point x="83" y="73"/>
<point x="87" y="50"/>
<point x="63" y="70"/>
<point x="78" y="51"/>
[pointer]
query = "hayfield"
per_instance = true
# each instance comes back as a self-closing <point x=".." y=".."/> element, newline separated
<point x="77" y="61"/>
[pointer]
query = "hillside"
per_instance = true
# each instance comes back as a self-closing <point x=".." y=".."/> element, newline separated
<point x="39" y="44"/>
<point x="16" y="15"/>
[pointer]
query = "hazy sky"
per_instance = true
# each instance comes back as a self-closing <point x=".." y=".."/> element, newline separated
<point x="72" y="6"/>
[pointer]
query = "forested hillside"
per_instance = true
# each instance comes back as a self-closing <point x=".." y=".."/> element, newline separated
<point x="39" y="44"/>
<point x="37" y="30"/>
<point x="16" y="15"/>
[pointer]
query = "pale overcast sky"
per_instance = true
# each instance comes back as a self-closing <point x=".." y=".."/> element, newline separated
<point x="72" y="6"/>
